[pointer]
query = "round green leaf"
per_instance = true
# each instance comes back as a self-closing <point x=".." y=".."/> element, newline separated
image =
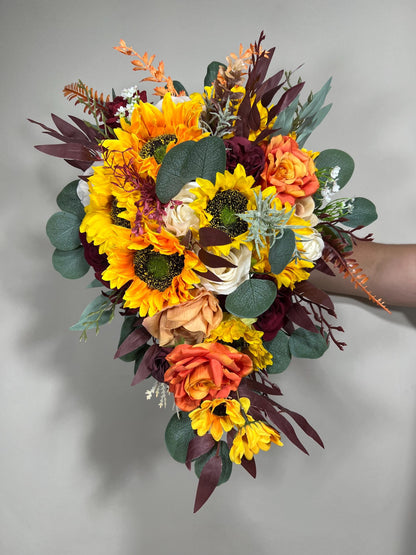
<point x="282" y="251"/>
<point x="212" y="72"/>
<point x="251" y="298"/>
<point x="68" y="200"/>
<point x="178" y="434"/>
<point x="279" y="348"/>
<point x="307" y="344"/>
<point x="62" y="229"/>
<point x="70" y="264"/>
<point x="227" y="465"/>
<point x="334" y="157"/>
<point x="363" y="213"/>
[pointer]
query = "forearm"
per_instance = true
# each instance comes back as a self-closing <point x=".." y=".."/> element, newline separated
<point x="391" y="272"/>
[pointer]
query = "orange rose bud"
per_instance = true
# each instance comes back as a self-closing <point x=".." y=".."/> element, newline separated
<point x="204" y="371"/>
<point x="289" y="169"/>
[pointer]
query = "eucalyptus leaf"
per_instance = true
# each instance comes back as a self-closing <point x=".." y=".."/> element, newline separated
<point x="251" y="298"/>
<point x="98" y="312"/>
<point x="212" y="72"/>
<point x="363" y="213"/>
<point x="70" y="264"/>
<point x="68" y="200"/>
<point x="333" y="157"/>
<point x="279" y="348"/>
<point x="178" y="434"/>
<point x="95" y="283"/>
<point x="281" y="252"/>
<point x="227" y="465"/>
<point x="187" y="161"/>
<point x="310" y="109"/>
<point x="179" y="87"/>
<point x="62" y="229"/>
<point x="284" y="121"/>
<point x="307" y="344"/>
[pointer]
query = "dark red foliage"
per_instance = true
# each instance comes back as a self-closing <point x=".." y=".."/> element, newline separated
<point x="240" y="150"/>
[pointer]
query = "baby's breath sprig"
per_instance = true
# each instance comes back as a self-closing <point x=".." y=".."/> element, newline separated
<point x="267" y="223"/>
<point x="336" y="209"/>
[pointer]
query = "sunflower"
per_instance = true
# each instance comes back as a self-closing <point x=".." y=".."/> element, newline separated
<point x="218" y="205"/>
<point x="235" y="332"/>
<point x="252" y="437"/>
<point x="159" y="270"/>
<point x="110" y="213"/>
<point x="151" y="133"/>
<point x="217" y="416"/>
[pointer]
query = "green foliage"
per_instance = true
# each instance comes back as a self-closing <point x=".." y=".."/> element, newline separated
<point x="62" y="229"/>
<point x="179" y="87"/>
<point x="127" y="327"/>
<point x="178" y="434"/>
<point x="251" y="298"/>
<point x="307" y="344"/>
<point x="333" y="157"/>
<point x="279" y="348"/>
<point x="187" y="161"/>
<point x="284" y="122"/>
<point x="68" y="200"/>
<point x="70" y="264"/>
<point x="212" y="72"/>
<point x="97" y="313"/>
<point x="227" y="465"/>
<point x="312" y="113"/>
<point x="363" y="212"/>
<point x="281" y="253"/>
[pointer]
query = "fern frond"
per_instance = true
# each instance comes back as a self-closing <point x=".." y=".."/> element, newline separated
<point x="94" y="103"/>
<point x="350" y="268"/>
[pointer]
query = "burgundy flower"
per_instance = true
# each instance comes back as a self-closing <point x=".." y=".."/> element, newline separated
<point x="98" y="261"/>
<point x="271" y="321"/>
<point x="242" y="151"/>
<point x="119" y="102"/>
<point x="158" y="364"/>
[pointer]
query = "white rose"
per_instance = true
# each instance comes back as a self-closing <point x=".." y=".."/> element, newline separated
<point x="231" y="277"/>
<point x="180" y="217"/>
<point x="313" y="246"/>
<point x="83" y="190"/>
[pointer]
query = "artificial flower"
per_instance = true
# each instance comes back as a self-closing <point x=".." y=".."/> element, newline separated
<point x="179" y="216"/>
<point x="151" y="133"/>
<point x="251" y="438"/>
<point x="190" y="321"/>
<point x="289" y="169"/>
<point x="240" y="150"/>
<point x="217" y="416"/>
<point x="244" y="337"/>
<point x="313" y="246"/>
<point x="157" y="269"/>
<point x="205" y="371"/>
<point x="229" y="278"/>
<point x="271" y="321"/>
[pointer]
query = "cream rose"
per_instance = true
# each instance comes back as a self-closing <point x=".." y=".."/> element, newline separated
<point x="313" y="246"/>
<point x="179" y="216"/>
<point x="231" y="277"/>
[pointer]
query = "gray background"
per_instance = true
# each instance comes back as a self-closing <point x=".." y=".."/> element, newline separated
<point x="83" y="467"/>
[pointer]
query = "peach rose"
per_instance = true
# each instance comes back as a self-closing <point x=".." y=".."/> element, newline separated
<point x="204" y="371"/>
<point x="289" y="169"/>
<point x="190" y="321"/>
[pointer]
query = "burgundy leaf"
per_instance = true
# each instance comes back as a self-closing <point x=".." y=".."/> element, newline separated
<point x="286" y="427"/>
<point x="269" y="88"/>
<point x="208" y="481"/>
<point x="198" y="446"/>
<point x="91" y="133"/>
<point x="209" y="236"/>
<point x="250" y="466"/>
<point x="254" y="118"/>
<point x="143" y="371"/>
<point x="304" y="424"/>
<point x="137" y="338"/>
<point x="314" y="294"/>
<point x="79" y="165"/>
<point x="208" y="275"/>
<point x="72" y="151"/>
<point x="322" y="266"/>
<point x="68" y="130"/>
<point x="288" y="97"/>
<point x="299" y="316"/>
<point x="214" y="261"/>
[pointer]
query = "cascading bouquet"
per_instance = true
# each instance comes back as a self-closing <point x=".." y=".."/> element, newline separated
<point x="202" y="217"/>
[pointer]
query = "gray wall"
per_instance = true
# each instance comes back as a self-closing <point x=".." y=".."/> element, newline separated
<point x="83" y="466"/>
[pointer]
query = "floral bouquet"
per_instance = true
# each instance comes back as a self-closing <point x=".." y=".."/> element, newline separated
<point x="202" y="217"/>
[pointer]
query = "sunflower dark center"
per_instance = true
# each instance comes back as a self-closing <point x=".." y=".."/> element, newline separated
<point x="224" y="208"/>
<point x="157" y="270"/>
<point x="220" y="410"/>
<point x="114" y="212"/>
<point x="157" y="146"/>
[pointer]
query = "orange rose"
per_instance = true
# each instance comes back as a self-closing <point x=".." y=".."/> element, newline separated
<point x="204" y="371"/>
<point x="289" y="169"/>
<point x="190" y="321"/>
